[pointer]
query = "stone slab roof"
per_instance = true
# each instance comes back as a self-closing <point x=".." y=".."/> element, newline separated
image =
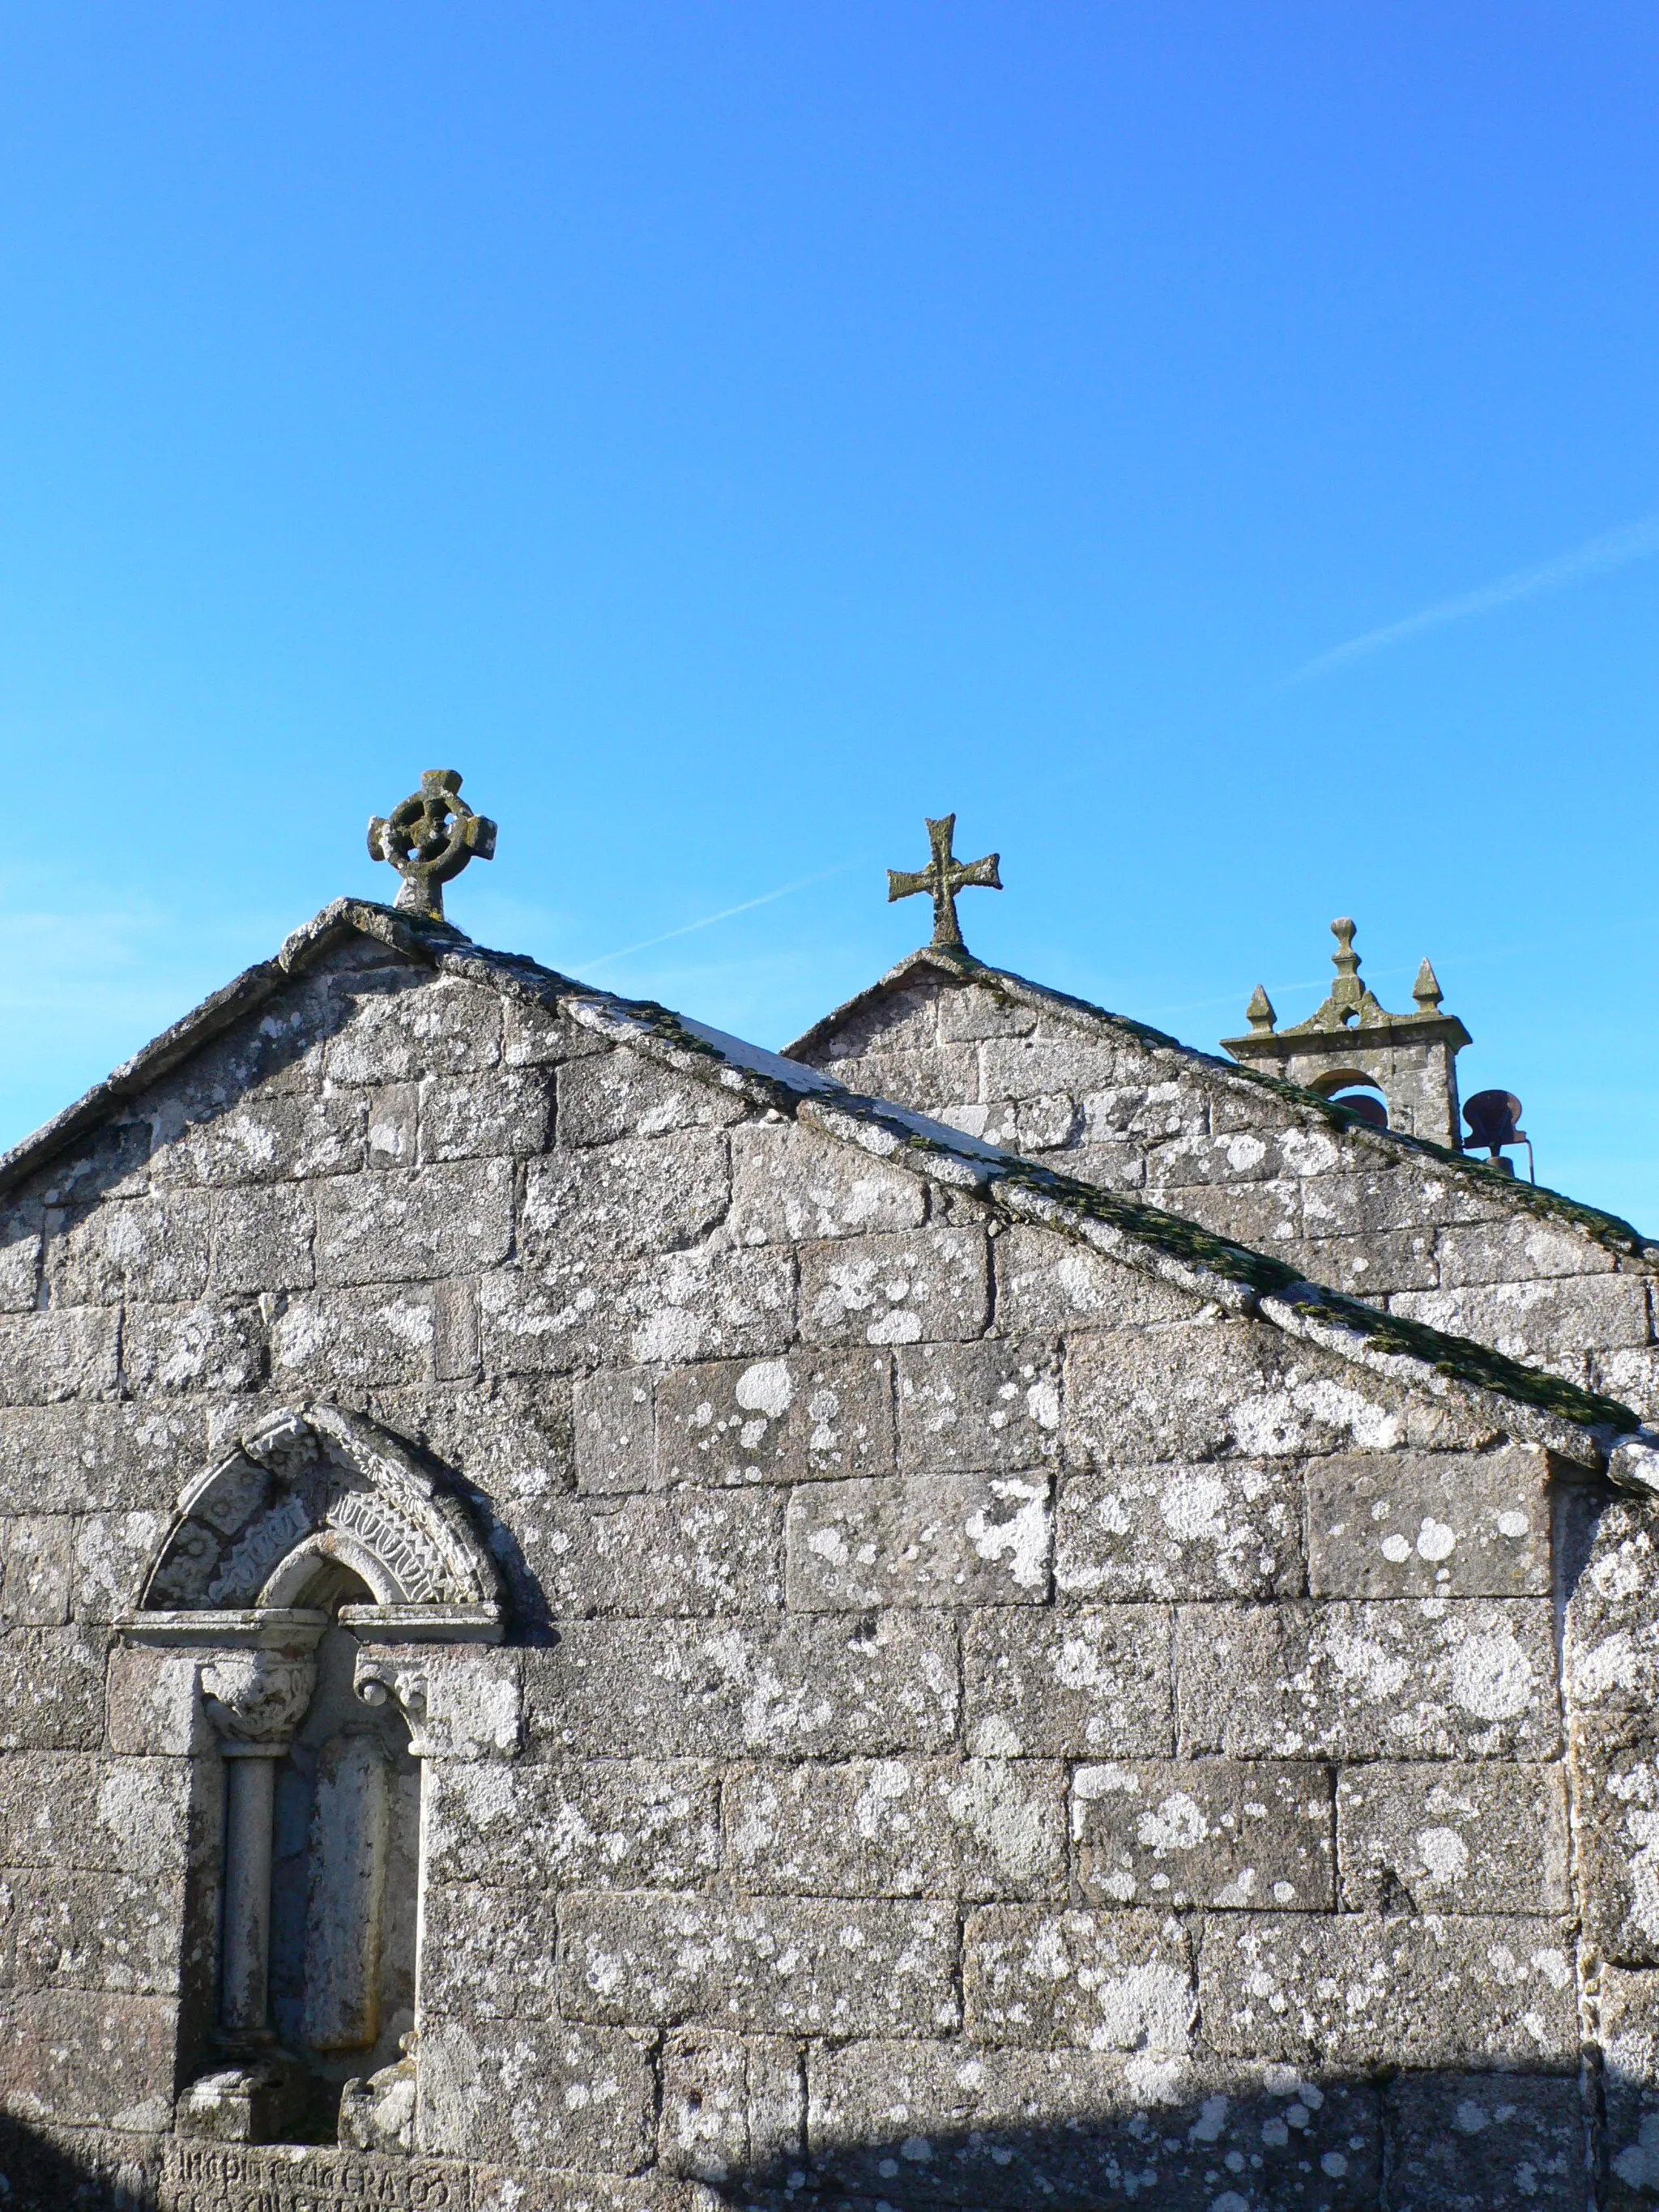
<point x="1185" y="1063"/>
<point x="1594" y="1430"/>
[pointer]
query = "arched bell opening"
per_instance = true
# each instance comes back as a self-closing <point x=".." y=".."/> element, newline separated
<point x="1362" y="1094"/>
<point x="345" y="1861"/>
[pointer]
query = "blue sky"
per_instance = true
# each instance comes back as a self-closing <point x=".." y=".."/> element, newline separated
<point x="727" y="434"/>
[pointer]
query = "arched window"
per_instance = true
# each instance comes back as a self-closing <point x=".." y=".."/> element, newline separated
<point x="294" y="1572"/>
<point x="1360" y="1093"/>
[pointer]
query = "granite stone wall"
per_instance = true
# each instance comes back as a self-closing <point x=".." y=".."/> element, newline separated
<point x="980" y="1726"/>
<point x="1443" y="1242"/>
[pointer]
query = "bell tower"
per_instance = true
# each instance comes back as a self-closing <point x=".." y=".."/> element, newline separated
<point x="1352" y="1049"/>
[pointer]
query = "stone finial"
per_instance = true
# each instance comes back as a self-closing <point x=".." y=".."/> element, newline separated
<point x="430" y="839"/>
<point x="1260" y="1013"/>
<point x="943" y="877"/>
<point x="1426" y="990"/>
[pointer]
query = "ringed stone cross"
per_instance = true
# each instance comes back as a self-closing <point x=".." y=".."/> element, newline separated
<point x="943" y="877"/>
<point x="430" y="839"/>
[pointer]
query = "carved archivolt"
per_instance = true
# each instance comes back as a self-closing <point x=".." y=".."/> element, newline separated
<point x="308" y="1487"/>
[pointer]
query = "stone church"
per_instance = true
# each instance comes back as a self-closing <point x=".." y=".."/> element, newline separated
<point x="992" y="1612"/>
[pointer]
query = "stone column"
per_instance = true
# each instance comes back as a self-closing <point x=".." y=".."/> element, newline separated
<point x="255" y="1700"/>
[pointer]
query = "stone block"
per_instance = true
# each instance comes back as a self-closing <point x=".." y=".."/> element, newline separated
<point x="921" y="1285"/>
<point x="154" y="1710"/>
<point x="1628" y="2020"/>
<point x="404" y="1023"/>
<point x="98" y="1457"/>
<point x="575" y="1824"/>
<point x="1267" y="1216"/>
<point x="1224" y="1528"/>
<point x="680" y="1550"/>
<point x="139" y="1248"/>
<point x="1475" y="1838"/>
<point x="973" y="1011"/>
<point x="732" y="2107"/>
<point x="487" y="1953"/>
<point x="75" y="1928"/>
<point x="36" y="1568"/>
<point x="262" y="1239"/>
<point x="1611" y="1645"/>
<point x="112" y="1551"/>
<point x="1536" y="1321"/>
<point x="1051" y="1122"/>
<point x="624" y="1199"/>
<point x="1432" y="1678"/>
<point x="1367" y="1201"/>
<point x="1205" y="1832"/>
<point x="1118" y="1164"/>
<point x="762" y="1965"/>
<point x="472" y="1117"/>
<point x="1206" y="1389"/>
<point x="262" y="1140"/>
<point x="810" y="1416"/>
<point x="410" y="1224"/>
<point x="1077" y="2130"/>
<point x="615" y="1432"/>
<point x="818" y="1687"/>
<point x="394" y="1125"/>
<point x="1047" y="1282"/>
<point x="1430" y="1524"/>
<point x="1194" y="1158"/>
<point x="110" y="1814"/>
<point x="1485" y="2142"/>
<point x="511" y="2188"/>
<point x="1028" y="1067"/>
<point x="1631" y="1375"/>
<point x="51" y="1690"/>
<point x="716" y="1302"/>
<point x="474" y="1701"/>
<point x="1103" y="1981"/>
<point x="46" y="1358"/>
<point x="789" y="1182"/>
<point x="1145" y="1111"/>
<point x="212" y="1347"/>
<point x="1523" y="1247"/>
<point x="926" y="1080"/>
<point x="1358" y="1989"/>
<point x="20" y="1257"/>
<point x="331" y="1339"/>
<point x="993" y="1405"/>
<point x="919" y="1539"/>
<point x="536" y="1035"/>
<point x="892" y="1828"/>
<point x="1068" y="1683"/>
<point x="550" y="2094"/>
<point x="1615" y="1768"/>
<point x="89" y="2058"/>
<point x="616" y="1093"/>
<point x="1374" y="1266"/>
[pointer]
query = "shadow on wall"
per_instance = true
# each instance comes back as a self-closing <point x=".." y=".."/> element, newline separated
<point x="43" y="2173"/>
<point x="1274" y="2140"/>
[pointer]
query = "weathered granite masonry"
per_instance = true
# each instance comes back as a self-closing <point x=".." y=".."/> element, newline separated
<point x="1405" y="1225"/>
<point x="1001" y="1697"/>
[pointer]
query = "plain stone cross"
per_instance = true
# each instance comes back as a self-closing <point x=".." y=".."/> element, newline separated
<point x="943" y="877"/>
<point x="430" y="839"/>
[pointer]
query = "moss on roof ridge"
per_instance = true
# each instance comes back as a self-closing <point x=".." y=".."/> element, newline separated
<point x="1611" y="1231"/>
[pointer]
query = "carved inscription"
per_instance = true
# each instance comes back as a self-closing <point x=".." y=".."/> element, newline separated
<point x="212" y="2178"/>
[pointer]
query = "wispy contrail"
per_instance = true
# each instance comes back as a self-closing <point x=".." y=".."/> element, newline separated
<point x="709" y="920"/>
<point x="1636" y="540"/>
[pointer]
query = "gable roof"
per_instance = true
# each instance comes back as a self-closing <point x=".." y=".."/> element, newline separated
<point x="1185" y="1063"/>
<point x="1593" y="1430"/>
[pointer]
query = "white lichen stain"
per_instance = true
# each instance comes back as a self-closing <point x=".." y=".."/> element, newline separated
<point x="1492" y="1675"/>
<point x="1023" y="1538"/>
<point x="1435" y="1541"/>
<point x="1445" y="1855"/>
<point x="765" y="1389"/>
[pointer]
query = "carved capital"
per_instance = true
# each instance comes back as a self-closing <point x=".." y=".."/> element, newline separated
<point x="378" y="1678"/>
<point x="256" y="1699"/>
